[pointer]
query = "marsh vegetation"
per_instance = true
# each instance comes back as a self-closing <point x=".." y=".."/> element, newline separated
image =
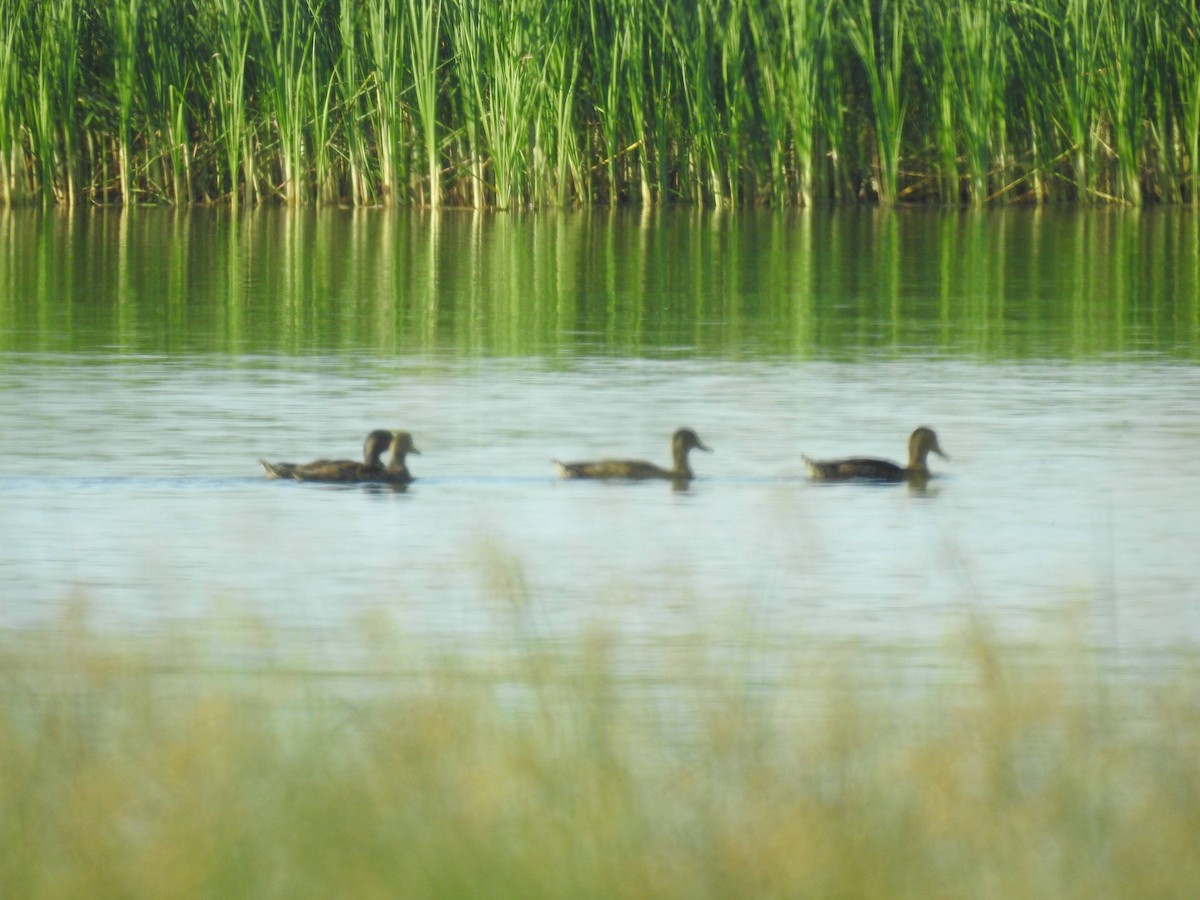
<point x="158" y="767"/>
<point x="507" y="103"/>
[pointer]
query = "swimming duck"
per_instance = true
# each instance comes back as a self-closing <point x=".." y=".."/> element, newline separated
<point x="345" y="470"/>
<point x="402" y="444"/>
<point x="920" y="444"/>
<point x="682" y="442"/>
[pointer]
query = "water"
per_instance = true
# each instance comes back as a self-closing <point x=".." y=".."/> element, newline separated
<point x="148" y="361"/>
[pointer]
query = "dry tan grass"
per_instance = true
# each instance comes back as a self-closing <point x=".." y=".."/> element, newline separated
<point x="139" y="770"/>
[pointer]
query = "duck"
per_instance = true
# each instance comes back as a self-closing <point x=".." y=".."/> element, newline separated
<point x="682" y="442"/>
<point x="401" y="445"/>
<point x="347" y="471"/>
<point x="921" y="443"/>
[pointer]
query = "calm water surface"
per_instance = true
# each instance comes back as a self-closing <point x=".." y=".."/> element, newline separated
<point x="147" y="361"/>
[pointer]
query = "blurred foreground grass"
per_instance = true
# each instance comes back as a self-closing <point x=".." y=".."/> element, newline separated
<point x="129" y="769"/>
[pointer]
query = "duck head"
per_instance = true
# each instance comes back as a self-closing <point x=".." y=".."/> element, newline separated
<point x="682" y="441"/>
<point x="921" y="443"/>
<point x="377" y="441"/>
<point x="685" y="439"/>
<point x="402" y="444"/>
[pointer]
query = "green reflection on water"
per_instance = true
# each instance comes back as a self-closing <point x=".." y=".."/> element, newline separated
<point x="838" y="284"/>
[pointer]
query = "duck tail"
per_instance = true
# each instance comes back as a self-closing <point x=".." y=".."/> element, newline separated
<point x="276" y="470"/>
<point x="566" y="470"/>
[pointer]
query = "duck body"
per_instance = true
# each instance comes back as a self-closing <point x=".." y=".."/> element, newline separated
<point x="344" y="471"/>
<point x="921" y="443"/>
<point x="682" y="442"/>
<point x="348" y="471"/>
<point x="855" y="469"/>
<point x="630" y="469"/>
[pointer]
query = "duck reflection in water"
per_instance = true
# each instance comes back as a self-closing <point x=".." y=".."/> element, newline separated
<point x="348" y="471"/>
<point x="680" y="474"/>
<point x="921" y="443"/>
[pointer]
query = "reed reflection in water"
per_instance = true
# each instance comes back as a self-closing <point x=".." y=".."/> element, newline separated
<point x="842" y="284"/>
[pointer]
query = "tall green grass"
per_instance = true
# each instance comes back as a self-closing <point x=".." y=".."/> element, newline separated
<point x="877" y="32"/>
<point x="174" y="768"/>
<point x="10" y="109"/>
<point x="124" y="26"/>
<point x="964" y="66"/>
<point x="1182" y="83"/>
<point x="425" y="28"/>
<point x="284" y="38"/>
<point x="387" y="124"/>
<point x="52" y="65"/>
<point x="512" y="92"/>
<point x="226" y="25"/>
<point x="535" y="102"/>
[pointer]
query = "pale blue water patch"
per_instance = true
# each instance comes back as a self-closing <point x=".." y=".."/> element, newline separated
<point x="135" y="486"/>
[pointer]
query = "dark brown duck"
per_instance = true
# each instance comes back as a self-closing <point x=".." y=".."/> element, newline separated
<point x="682" y="442"/>
<point x="348" y="471"/>
<point x="401" y="445"/>
<point x="921" y="443"/>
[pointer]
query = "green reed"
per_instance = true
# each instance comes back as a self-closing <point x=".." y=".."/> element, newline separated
<point x="1123" y="91"/>
<point x="1077" y="61"/>
<point x="284" y="43"/>
<point x="167" y="73"/>
<point x="938" y="66"/>
<point x="348" y="92"/>
<point x="535" y="102"/>
<point x="54" y="130"/>
<point x="228" y="31"/>
<point x="567" y="162"/>
<point x="385" y="80"/>
<point x="962" y="57"/>
<point x="467" y="38"/>
<point x="123" y="24"/>
<point x="637" y="60"/>
<point x="877" y="34"/>
<point x="1160" y="24"/>
<point x="981" y="65"/>
<point x="425" y="29"/>
<point x="11" y="18"/>
<point x="789" y="82"/>
<point x="514" y="86"/>
<point x="691" y="43"/>
<point x="607" y="55"/>
<point x="628" y="43"/>
<point x="1182" y="92"/>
